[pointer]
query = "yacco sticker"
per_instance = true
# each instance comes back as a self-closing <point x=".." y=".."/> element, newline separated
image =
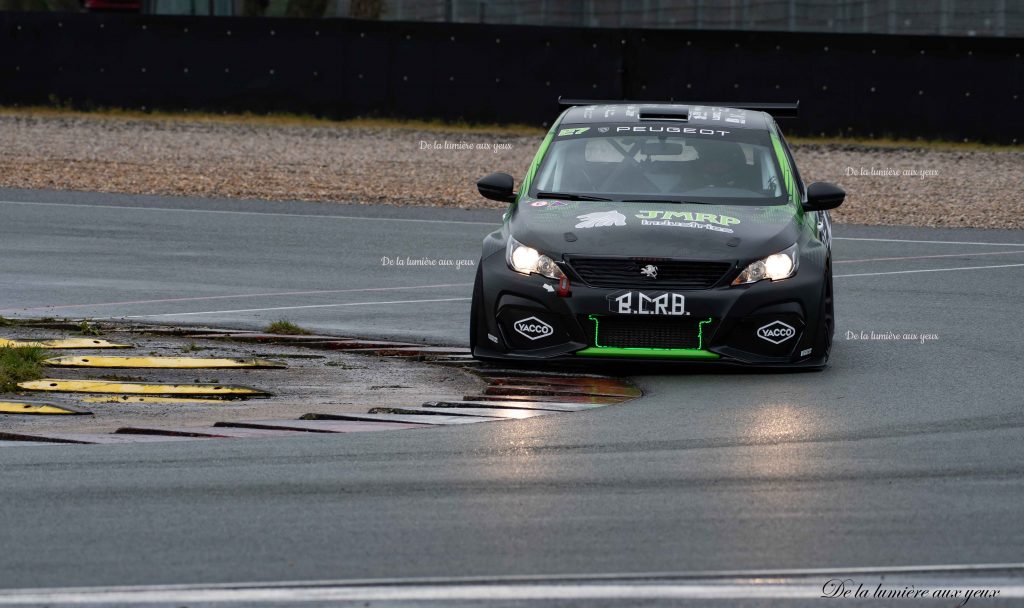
<point x="647" y="303"/>
<point x="776" y="332"/>
<point x="533" y="328"/>
<point x="573" y="131"/>
<point x="598" y="219"/>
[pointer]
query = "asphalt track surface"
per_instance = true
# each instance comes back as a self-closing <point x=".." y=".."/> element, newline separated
<point x="902" y="453"/>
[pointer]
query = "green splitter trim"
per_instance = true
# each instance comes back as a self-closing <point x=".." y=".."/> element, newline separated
<point x="669" y="353"/>
<point x="678" y="353"/>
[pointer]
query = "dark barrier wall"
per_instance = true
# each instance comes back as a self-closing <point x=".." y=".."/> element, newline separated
<point x="933" y="87"/>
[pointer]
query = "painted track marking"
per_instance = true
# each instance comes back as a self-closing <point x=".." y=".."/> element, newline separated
<point x="259" y="213"/>
<point x="874" y="274"/>
<point x="427" y="221"/>
<point x="344" y="304"/>
<point x="925" y="257"/>
<point x="768" y="584"/>
<point x="417" y="220"/>
<point x="879" y="240"/>
<point x="222" y="312"/>
<point x="244" y="295"/>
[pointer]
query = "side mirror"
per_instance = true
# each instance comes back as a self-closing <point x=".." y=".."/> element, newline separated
<point x="823" y="195"/>
<point x="497" y="187"/>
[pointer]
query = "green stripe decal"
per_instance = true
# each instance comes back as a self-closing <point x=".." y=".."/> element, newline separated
<point x="679" y="353"/>
<point x="787" y="172"/>
<point x="539" y="156"/>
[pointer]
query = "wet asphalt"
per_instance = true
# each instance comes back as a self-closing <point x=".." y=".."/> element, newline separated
<point x="903" y="452"/>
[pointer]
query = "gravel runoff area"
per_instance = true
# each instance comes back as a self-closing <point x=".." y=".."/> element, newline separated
<point x="927" y="185"/>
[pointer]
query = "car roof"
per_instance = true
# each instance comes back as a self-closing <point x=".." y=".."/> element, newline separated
<point x="662" y="113"/>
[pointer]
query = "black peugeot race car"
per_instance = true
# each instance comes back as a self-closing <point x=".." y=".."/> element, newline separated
<point x="659" y="231"/>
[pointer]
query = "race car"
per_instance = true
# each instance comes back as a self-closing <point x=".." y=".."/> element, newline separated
<point x="659" y="231"/>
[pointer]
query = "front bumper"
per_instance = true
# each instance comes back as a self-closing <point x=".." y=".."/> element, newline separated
<point x="766" y="324"/>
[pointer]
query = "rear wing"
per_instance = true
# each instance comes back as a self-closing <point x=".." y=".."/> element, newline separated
<point x="776" y="109"/>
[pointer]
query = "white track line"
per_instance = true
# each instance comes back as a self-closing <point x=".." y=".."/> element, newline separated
<point x="734" y="584"/>
<point x="875" y="274"/>
<point x="612" y="577"/>
<point x="424" y="221"/>
<point x="224" y="312"/>
<point x="416" y="220"/>
<point x="392" y="302"/>
<point x="702" y="575"/>
<point x="239" y="296"/>
<point x="275" y="308"/>
<point x="463" y="593"/>
<point x="853" y="238"/>
<point x="268" y="214"/>
<point x="926" y="257"/>
<point x="480" y="589"/>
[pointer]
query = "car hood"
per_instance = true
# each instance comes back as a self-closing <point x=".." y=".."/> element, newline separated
<point x="655" y="230"/>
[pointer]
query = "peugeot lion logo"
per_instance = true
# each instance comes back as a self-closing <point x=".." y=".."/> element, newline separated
<point x="650" y="271"/>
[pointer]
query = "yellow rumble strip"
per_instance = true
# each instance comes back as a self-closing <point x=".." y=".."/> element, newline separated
<point x="16" y="407"/>
<point x="162" y="362"/>
<point x="154" y="399"/>
<point x="70" y="343"/>
<point x="140" y="388"/>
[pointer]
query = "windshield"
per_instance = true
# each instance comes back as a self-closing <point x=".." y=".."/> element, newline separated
<point x="662" y="165"/>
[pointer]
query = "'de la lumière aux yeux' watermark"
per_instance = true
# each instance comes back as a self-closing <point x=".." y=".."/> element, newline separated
<point x="850" y="589"/>
<point x="425" y="262"/>
<point x="890" y="172"/>
<point x="891" y="336"/>
<point x="463" y="146"/>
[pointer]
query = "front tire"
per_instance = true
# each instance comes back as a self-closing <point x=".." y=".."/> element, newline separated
<point x="476" y="308"/>
<point x="826" y="322"/>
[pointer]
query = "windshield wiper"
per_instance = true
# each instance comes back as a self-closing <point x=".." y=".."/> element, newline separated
<point x="570" y="196"/>
<point x="664" y="200"/>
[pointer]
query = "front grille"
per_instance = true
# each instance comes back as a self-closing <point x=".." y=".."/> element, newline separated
<point x="626" y="272"/>
<point x="645" y="332"/>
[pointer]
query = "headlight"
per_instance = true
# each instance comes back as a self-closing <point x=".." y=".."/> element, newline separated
<point x="528" y="260"/>
<point x="777" y="266"/>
